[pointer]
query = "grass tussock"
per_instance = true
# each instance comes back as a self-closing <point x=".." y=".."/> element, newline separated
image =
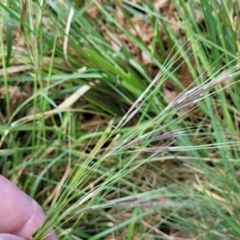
<point x="121" y="118"/>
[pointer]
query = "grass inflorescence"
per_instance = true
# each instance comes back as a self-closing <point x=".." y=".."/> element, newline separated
<point x="121" y="118"/>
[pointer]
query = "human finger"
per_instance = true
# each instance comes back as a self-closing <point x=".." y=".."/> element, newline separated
<point x="5" y="236"/>
<point x="19" y="214"/>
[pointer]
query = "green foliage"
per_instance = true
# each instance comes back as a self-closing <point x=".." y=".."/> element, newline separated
<point x="94" y="142"/>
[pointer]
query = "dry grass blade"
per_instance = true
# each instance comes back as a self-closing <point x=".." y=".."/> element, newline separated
<point x="24" y="14"/>
<point x="14" y="69"/>
<point x="65" y="43"/>
<point x="209" y="193"/>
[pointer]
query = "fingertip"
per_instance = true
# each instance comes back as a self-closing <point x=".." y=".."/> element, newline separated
<point x="19" y="214"/>
<point x="5" y="236"/>
<point x="36" y="218"/>
<point x="52" y="236"/>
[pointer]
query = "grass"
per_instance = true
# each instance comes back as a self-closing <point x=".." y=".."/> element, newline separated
<point x="85" y="129"/>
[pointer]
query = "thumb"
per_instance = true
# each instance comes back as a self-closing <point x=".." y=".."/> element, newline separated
<point x="5" y="236"/>
<point x="19" y="214"/>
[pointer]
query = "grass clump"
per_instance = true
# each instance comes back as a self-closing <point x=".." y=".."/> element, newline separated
<point x="121" y="117"/>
